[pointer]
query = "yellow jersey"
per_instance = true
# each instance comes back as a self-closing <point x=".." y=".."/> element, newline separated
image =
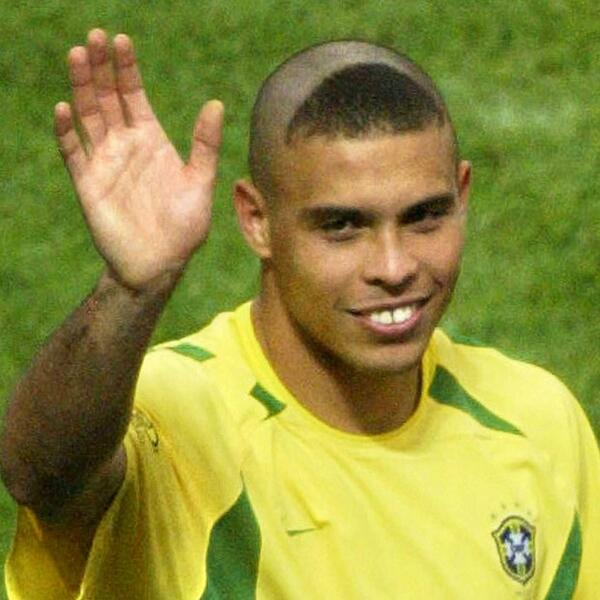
<point x="234" y="491"/>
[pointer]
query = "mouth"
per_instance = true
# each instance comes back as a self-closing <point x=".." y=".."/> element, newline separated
<point x="394" y="316"/>
<point x="391" y="319"/>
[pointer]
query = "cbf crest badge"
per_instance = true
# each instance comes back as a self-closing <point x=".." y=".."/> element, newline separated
<point x="515" y="539"/>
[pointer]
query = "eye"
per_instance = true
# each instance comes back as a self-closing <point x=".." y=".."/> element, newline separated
<point x="336" y="223"/>
<point x="341" y="227"/>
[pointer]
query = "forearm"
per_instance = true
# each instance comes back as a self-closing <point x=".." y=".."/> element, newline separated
<point x="69" y="413"/>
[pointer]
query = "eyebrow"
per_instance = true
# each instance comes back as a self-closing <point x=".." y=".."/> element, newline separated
<point x="440" y="202"/>
<point x="314" y="215"/>
<point x="330" y="212"/>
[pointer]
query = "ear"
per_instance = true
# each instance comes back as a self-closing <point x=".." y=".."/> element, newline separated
<point x="251" y="210"/>
<point x="463" y="177"/>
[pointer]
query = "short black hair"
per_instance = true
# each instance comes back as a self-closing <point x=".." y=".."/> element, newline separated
<point x="336" y="89"/>
<point x="362" y="99"/>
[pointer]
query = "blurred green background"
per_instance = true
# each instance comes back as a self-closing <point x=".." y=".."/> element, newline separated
<point x="521" y="79"/>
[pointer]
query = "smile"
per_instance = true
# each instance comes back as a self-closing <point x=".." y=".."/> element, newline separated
<point x="393" y="316"/>
<point x="392" y="320"/>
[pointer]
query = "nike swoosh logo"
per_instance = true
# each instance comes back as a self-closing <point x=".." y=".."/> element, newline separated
<point x="293" y="532"/>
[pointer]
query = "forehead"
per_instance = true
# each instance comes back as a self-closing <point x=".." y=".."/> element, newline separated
<point x="401" y="166"/>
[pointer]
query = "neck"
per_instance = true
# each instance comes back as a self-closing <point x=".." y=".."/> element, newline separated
<point x="346" y="398"/>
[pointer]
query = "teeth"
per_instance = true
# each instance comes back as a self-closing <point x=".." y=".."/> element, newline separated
<point x="398" y="315"/>
<point x="403" y="314"/>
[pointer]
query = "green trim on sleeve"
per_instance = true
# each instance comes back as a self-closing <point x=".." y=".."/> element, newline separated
<point x="192" y="351"/>
<point x="269" y="401"/>
<point x="466" y="340"/>
<point x="565" y="579"/>
<point x="233" y="554"/>
<point x="446" y="390"/>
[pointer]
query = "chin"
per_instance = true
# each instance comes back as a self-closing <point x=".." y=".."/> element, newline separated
<point x="389" y="367"/>
<point x="382" y="361"/>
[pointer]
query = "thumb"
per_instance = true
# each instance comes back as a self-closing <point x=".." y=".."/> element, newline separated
<point x="208" y="132"/>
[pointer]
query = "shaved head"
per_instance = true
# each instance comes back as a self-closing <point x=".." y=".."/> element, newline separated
<point x="347" y="89"/>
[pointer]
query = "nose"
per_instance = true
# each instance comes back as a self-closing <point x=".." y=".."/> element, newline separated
<point x="390" y="263"/>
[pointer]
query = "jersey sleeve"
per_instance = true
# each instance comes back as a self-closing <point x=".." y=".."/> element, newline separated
<point x="182" y="473"/>
<point x="588" y="506"/>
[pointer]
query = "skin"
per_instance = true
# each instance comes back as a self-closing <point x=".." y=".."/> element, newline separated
<point x="357" y="226"/>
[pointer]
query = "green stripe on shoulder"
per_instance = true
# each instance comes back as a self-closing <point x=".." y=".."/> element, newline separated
<point x="233" y="554"/>
<point x="191" y="351"/>
<point x="446" y="390"/>
<point x="465" y="340"/>
<point x="565" y="579"/>
<point x="269" y="401"/>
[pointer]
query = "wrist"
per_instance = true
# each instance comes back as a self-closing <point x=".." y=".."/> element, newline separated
<point x="158" y="287"/>
<point x="134" y="310"/>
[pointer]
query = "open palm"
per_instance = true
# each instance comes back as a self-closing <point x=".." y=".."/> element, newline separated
<point x="146" y="209"/>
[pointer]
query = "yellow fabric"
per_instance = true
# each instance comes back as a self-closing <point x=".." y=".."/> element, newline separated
<point x="408" y="514"/>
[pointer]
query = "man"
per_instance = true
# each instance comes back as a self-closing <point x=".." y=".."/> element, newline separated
<point x="325" y="440"/>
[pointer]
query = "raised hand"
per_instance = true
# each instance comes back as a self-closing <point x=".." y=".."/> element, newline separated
<point x="146" y="209"/>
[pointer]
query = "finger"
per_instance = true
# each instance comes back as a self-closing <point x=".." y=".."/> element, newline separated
<point x="129" y="81"/>
<point x="68" y="140"/>
<point x="208" y="133"/>
<point x="104" y="79"/>
<point x="84" y="95"/>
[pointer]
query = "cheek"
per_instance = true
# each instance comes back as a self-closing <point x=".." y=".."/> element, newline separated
<point x="311" y="273"/>
<point x="443" y="257"/>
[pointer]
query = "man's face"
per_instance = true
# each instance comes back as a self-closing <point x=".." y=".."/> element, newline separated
<point x="365" y="245"/>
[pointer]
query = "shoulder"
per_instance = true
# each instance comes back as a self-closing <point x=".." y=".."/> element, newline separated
<point x="490" y="369"/>
<point x="529" y="397"/>
<point x="202" y="378"/>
